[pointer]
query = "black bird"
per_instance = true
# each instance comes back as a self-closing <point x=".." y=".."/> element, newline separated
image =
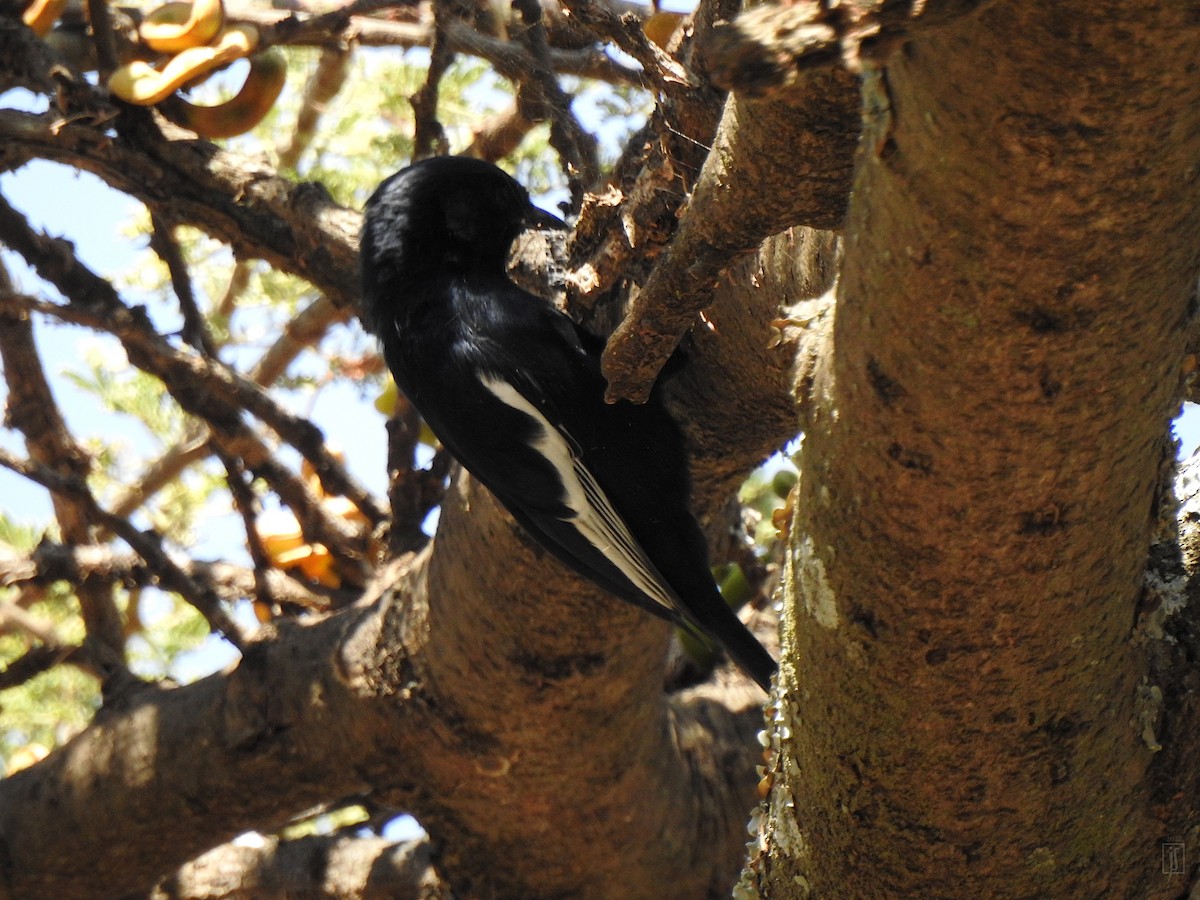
<point x="512" y="387"/>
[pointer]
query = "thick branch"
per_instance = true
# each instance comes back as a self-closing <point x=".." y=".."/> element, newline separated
<point x="770" y="46"/>
<point x="622" y="229"/>
<point x="1008" y="261"/>
<point x="772" y="166"/>
<point x="388" y="697"/>
<point x="295" y="227"/>
<point x="561" y="688"/>
<point x="184" y="769"/>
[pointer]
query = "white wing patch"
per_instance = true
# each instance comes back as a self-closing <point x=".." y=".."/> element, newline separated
<point x="592" y="512"/>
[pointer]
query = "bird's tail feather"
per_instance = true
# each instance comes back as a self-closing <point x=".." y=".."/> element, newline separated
<point x="749" y="654"/>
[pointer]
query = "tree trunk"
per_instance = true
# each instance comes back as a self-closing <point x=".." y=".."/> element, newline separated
<point x="966" y="694"/>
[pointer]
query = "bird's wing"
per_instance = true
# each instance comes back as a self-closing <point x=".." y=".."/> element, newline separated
<point x="589" y="512"/>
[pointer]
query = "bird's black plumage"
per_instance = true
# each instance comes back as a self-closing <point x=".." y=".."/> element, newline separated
<point x="513" y="388"/>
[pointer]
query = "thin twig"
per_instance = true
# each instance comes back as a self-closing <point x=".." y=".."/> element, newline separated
<point x="102" y="34"/>
<point x="413" y="492"/>
<point x="32" y="409"/>
<point x="51" y="561"/>
<point x="500" y="134"/>
<point x="319" y="91"/>
<point x="246" y="505"/>
<point x="662" y="71"/>
<point x="541" y="96"/>
<point x="205" y="388"/>
<point x="281" y="28"/>
<point x="162" y="242"/>
<point x="41" y="658"/>
<point x="148" y="543"/>
<point x="429" y="137"/>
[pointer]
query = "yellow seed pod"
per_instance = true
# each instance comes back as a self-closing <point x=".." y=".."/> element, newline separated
<point x="140" y="83"/>
<point x="279" y="532"/>
<point x="387" y="400"/>
<point x="40" y="15"/>
<point x="660" y="27"/>
<point x="284" y="544"/>
<point x="174" y="27"/>
<point x="344" y="508"/>
<point x="264" y="82"/>
<point x="314" y="561"/>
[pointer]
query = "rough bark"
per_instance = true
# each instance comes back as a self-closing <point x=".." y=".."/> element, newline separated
<point x="525" y="743"/>
<point x="966" y="700"/>
<point x="768" y="47"/>
<point x="554" y="728"/>
<point x="772" y="166"/>
<point x="178" y="771"/>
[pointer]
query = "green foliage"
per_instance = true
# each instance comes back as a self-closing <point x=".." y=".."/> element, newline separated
<point x="162" y="627"/>
<point x="326" y="822"/>
<point x="139" y="399"/>
<point x="765" y="491"/>
<point x="48" y="709"/>
<point x="130" y="392"/>
<point x="19" y="535"/>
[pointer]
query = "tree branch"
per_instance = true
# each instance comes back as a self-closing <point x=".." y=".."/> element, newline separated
<point x="540" y="97"/>
<point x="983" y="667"/>
<point x="769" y="47"/>
<point x="375" y="698"/>
<point x="191" y="382"/>
<point x="297" y="228"/>
<point x="661" y="71"/>
<point x="429" y="137"/>
<point x="571" y="732"/>
<point x="51" y="561"/>
<point x="202" y="386"/>
<point x="32" y="409"/>
<point x="195" y="329"/>
<point x="773" y="166"/>
<point x="147" y="543"/>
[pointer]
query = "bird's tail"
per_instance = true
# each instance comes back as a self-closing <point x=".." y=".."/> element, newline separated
<point x="755" y="661"/>
<point x="742" y="646"/>
<point x="715" y="624"/>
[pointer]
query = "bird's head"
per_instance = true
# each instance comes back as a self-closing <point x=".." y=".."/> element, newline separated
<point x="447" y="214"/>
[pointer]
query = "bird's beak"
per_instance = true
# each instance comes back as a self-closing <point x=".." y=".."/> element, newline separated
<point x="536" y="217"/>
